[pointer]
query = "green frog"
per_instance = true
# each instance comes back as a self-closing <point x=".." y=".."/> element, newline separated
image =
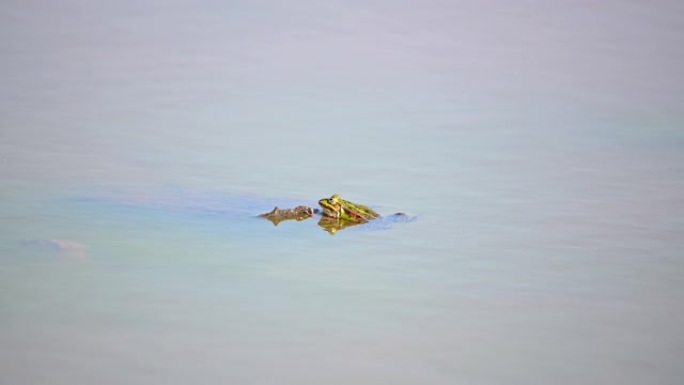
<point x="336" y="207"/>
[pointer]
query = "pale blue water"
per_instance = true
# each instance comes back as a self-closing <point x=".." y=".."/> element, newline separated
<point x="539" y="145"/>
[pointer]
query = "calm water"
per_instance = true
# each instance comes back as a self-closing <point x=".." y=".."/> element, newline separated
<point x="540" y="146"/>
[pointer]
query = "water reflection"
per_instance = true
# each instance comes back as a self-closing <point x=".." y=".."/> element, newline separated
<point x="333" y="225"/>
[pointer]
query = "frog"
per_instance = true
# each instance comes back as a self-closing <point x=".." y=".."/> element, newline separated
<point x="336" y="207"/>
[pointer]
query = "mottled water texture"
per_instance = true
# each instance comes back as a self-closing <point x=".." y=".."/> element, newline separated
<point x="540" y="144"/>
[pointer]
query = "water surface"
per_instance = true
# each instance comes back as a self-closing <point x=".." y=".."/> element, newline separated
<point x="540" y="147"/>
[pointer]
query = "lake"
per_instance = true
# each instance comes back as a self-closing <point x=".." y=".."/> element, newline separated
<point x="539" y="148"/>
